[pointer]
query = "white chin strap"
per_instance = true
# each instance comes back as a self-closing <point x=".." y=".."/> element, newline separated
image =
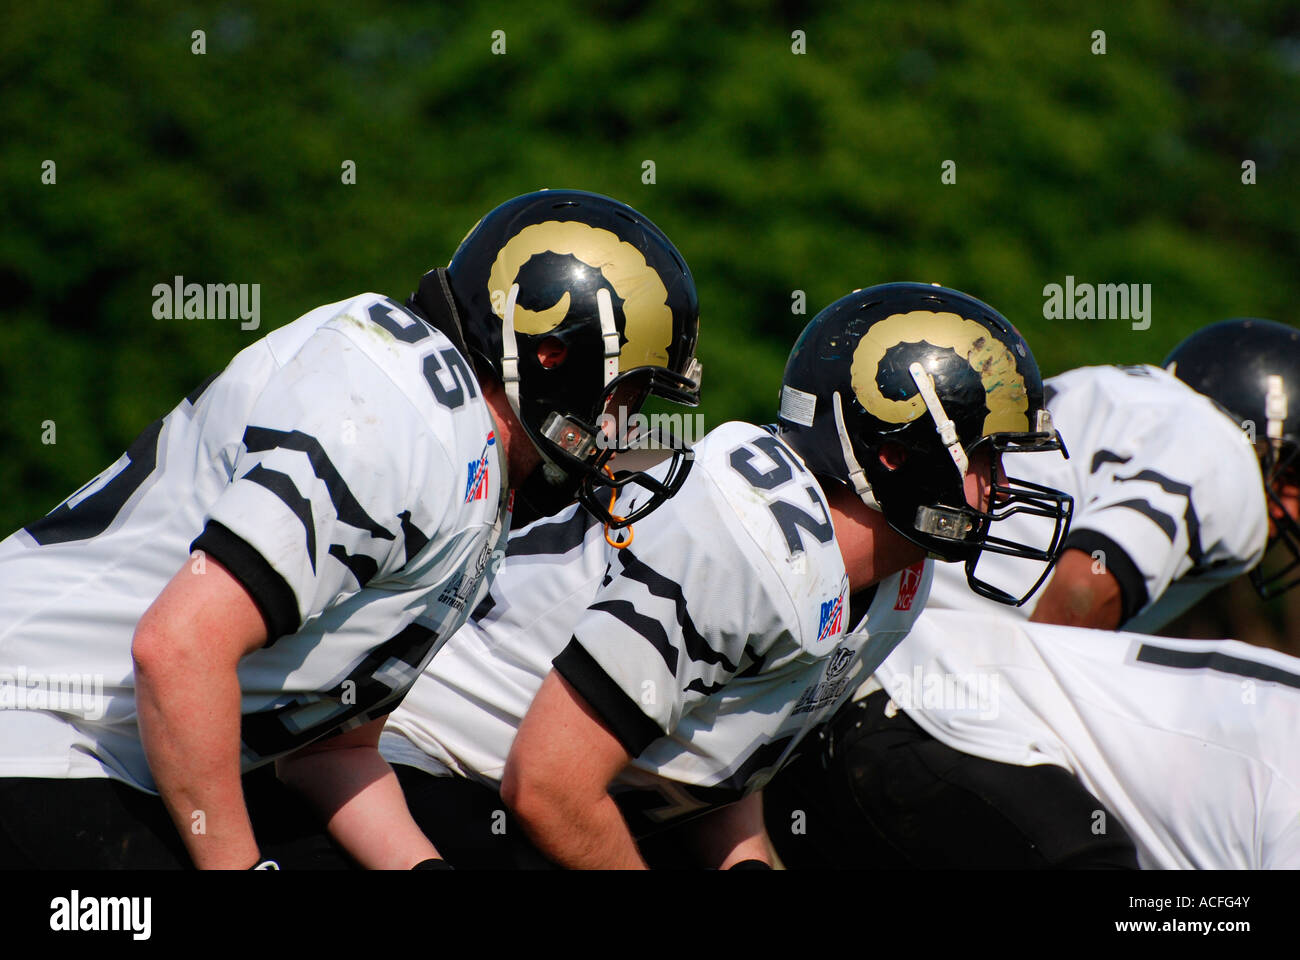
<point x="947" y="429"/>
<point x="857" y="476"/>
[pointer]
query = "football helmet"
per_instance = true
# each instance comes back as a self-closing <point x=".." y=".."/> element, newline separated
<point x="583" y="309"/>
<point x="1251" y="368"/>
<point x="894" y="390"/>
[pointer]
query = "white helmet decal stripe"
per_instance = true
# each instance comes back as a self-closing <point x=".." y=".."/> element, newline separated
<point x="947" y="429"/>
<point x="1275" y="406"/>
<point x="609" y="331"/>
<point x="510" y="351"/>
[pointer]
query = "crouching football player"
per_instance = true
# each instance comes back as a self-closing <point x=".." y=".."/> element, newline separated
<point x="279" y="556"/>
<point x="1005" y="749"/>
<point x="605" y="690"/>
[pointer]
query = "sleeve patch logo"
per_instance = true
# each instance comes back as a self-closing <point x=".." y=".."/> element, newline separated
<point x="477" y="482"/>
<point x="832" y="615"/>
<point x="909" y="582"/>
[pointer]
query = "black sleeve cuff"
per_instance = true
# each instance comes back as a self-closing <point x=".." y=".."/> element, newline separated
<point x="1132" y="585"/>
<point x="270" y="591"/>
<point x="625" y="720"/>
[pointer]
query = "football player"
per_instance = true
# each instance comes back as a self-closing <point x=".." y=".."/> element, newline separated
<point x="1181" y="753"/>
<point x="608" y="690"/>
<point x="280" y="555"/>
<point x="1182" y="477"/>
<point x="1179" y="490"/>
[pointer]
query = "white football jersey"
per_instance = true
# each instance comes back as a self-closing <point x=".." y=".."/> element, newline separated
<point x="1167" y="496"/>
<point x="344" y="469"/>
<point x="1190" y="743"/>
<point x="710" y="646"/>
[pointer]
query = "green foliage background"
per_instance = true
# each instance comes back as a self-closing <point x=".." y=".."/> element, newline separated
<point x="775" y="172"/>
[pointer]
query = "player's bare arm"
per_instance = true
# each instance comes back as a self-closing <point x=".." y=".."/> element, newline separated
<point x="556" y="781"/>
<point x="1081" y="593"/>
<point x="357" y="795"/>
<point x="186" y="650"/>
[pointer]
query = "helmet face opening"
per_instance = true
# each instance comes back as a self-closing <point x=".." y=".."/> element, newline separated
<point x="1011" y="496"/>
<point x="953" y="529"/>
<point x="613" y="446"/>
<point x="660" y="484"/>
<point x="1251" y="368"/>
<point x="904" y="390"/>
<point x="583" y="309"/>
<point x="1280" y="471"/>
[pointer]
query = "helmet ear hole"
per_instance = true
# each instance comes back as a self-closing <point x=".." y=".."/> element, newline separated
<point x="551" y="352"/>
<point x="892" y="455"/>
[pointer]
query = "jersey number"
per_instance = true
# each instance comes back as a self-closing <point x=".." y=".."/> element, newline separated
<point x="791" y="519"/>
<point x="447" y="373"/>
<point x="89" y="516"/>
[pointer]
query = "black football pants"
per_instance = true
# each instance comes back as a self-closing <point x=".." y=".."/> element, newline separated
<point x="468" y="823"/>
<point x="100" y="824"/>
<point x="878" y="792"/>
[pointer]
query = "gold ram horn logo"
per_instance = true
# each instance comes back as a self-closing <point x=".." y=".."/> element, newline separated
<point x="649" y="320"/>
<point x="1004" y="386"/>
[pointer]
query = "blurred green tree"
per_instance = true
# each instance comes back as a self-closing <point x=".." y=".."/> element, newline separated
<point x="775" y="171"/>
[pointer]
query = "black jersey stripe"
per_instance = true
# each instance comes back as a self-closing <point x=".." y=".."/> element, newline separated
<point x="363" y="567"/>
<point x="1218" y="662"/>
<point x="349" y="511"/>
<point x="1193" y="522"/>
<point x="270" y="591"/>
<point x="706" y="689"/>
<point x="697" y="648"/>
<point x="413" y="538"/>
<point x="281" y="484"/>
<point x="1158" y="517"/>
<point x="647" y="627"/>
<point x="622" y="716"/>
<point x="1103" y="456"/>
<point x="553" y="538"/>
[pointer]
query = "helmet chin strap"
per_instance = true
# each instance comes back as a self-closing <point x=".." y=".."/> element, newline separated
<point x="947" y="429"/>
<point x="857" y="476"/>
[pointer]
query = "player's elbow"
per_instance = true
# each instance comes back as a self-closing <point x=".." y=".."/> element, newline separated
<point x="153" y="650"/>
<point x="164" y="652"/>
<point x="535" y="792"/>
<point x="521" y="788"/>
